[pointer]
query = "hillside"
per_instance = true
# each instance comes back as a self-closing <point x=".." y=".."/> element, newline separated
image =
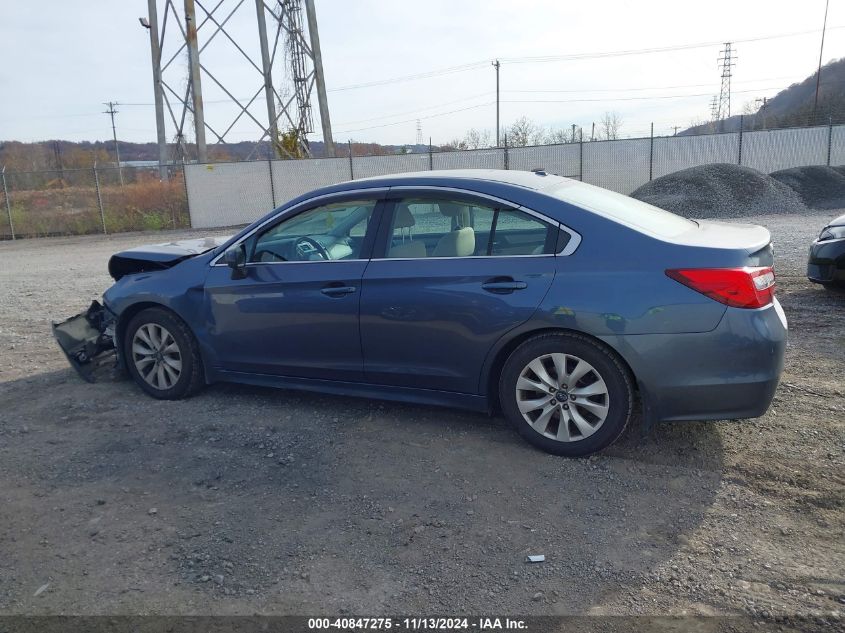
<point x="793" y="106"/>
<point x="54" y="155"/>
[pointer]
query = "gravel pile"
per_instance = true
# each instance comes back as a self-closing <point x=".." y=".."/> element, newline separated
<point x="720" y="191"/>
<point x="820" y="187"/>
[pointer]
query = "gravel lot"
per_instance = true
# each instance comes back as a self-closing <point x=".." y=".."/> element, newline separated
<point x="246" y="500"/>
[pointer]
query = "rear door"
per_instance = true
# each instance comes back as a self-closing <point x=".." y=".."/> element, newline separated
<point x="450" y="275"/>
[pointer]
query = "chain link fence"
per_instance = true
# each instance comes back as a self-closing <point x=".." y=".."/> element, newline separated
<point x="228" y="194"/>
<point x="94" y="200"/>
<point x="110" y="200"/>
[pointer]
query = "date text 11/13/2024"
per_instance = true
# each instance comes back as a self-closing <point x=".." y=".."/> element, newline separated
<point x="418" y="624"/>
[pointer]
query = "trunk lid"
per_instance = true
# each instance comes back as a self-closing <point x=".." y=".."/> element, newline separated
<point x="727" y="235"/>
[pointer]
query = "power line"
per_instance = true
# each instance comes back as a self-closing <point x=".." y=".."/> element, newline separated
<point x="567" y="57"/>
<point x="434" y="107"/>
<point x="658" y="49"/>
<point x="423" y="75"/>
<point x="578" y="91"/>
<point x="432" y="116"/>
<point x="647" y="98"/>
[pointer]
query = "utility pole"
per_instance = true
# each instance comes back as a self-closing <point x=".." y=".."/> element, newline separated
<point x="496" y="65"/>
<point x="319" y="77"/>
<point x="762" y="110"/>
<point x="155" y="54"/>
<point x="267" y="69"/>
<point x="196" y="81"/>
<point x="593" y="132"/>
<point x="57" y="151"/>
<point x="675" y="129"/>
<point x="111" y="112"/>
<point x="819" y="73"/>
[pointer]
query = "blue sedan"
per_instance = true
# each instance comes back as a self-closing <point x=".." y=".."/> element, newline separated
<point x="555" y="302"/>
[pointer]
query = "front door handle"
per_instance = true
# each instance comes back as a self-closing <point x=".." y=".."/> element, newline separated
<point x="338" y="291"/>
<point x="503" y="286"/>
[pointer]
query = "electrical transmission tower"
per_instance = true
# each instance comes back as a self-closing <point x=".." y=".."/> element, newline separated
<point x="419" y="133"/>
<point x="714" y="108"/>
<point x="287" y="71"/>
<point x="726" y="60"/>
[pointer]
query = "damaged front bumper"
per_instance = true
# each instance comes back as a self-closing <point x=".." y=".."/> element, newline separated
<point x="87" y="339"/>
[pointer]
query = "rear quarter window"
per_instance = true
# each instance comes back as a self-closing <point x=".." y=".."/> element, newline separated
<point x="623" y="209"/>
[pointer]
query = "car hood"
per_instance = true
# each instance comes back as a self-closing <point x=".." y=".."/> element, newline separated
<point x="840" y="221"/>
<point x="159" y="256"/>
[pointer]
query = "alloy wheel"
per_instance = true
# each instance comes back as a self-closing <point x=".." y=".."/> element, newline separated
<point x="156" y="356"/>
<point x="562" y="397"/>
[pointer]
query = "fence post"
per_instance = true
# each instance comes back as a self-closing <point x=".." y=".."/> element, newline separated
<point x="829" y="142"/>
<point x="351" y="170"/>
<point x="185" y="182"/>
<point x="506" y="152"/>
<point x="431" y="156"/>
<point x="651" y="154"/>
<point x="739" y="157"/>
<point x="581" y="155"/>
<point x="99" y="198"/>
<point x="9" y="206"/>
<point x="272" y="185"/>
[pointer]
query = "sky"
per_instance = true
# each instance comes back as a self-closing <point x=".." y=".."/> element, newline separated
<point x="562" y="63"/>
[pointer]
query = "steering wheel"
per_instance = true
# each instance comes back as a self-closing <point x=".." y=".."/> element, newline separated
<point x="269" y="256"/>
<point x="305" y="247"/>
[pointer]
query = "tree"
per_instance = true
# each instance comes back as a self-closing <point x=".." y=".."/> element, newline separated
<point x="558" y="136"/>
<point x="525" y="131"/>
<point x="476" y="139"/>
<point x="288" y="145"/>
<point x="610" y="126"/>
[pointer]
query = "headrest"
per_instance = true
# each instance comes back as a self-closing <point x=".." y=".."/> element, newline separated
<point x="404" y="218"/>
<point x="457" y="211"/>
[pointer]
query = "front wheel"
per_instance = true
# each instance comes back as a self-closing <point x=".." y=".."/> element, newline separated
<point x="162" y="355"/>
<point x="566" y="394"/>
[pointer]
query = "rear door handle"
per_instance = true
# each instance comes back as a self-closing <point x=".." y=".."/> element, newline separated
<point x="338" y="291"/>
<point x="504" y="286"/>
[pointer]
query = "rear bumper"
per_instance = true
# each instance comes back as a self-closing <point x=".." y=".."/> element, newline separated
<point x="826" y="263"/>
<point x="729" y="373"/>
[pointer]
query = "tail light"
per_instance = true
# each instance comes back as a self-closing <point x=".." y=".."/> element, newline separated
<point x="748" y="287"/>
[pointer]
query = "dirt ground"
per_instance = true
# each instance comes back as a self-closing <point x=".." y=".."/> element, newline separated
<point x="245" y="500"/>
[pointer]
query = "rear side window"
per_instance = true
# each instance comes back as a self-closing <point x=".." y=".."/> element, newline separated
<point x="518" y="233"/>
<point x="434" y="227"/>
<point x="624" y="209"/>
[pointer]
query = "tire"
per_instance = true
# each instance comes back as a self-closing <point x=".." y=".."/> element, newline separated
<point x="172" y="348"/>
<point x="835" y="286"/>
<point x="551" y="419"/>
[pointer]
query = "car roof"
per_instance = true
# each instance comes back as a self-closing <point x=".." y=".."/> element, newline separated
<point x="536" y="180"/>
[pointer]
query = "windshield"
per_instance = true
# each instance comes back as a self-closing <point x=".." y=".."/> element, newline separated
<point x="624" y="209"/>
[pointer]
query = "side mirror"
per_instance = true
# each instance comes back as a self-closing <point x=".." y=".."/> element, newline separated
<point x="235" y="258"/>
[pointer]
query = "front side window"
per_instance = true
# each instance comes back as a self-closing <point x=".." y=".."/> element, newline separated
<point x="329" y="232"/>
<point x="424" y="228"/>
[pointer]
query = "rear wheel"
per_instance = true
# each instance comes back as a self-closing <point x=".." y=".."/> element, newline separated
<point x="566" y="394"/>
<point x="162" y="355"/>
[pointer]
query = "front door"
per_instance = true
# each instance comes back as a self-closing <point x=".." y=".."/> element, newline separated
<point x="449" y="276"/>
<point x="296" y="311"/>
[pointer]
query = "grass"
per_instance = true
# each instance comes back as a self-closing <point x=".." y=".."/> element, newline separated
<point x="145" y="205"/>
